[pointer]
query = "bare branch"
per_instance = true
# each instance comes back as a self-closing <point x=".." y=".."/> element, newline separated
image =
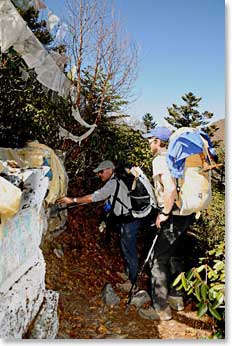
<point x="97" y="41"/>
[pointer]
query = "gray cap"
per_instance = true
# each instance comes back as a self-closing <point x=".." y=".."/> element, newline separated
<point x="104" y="165"/>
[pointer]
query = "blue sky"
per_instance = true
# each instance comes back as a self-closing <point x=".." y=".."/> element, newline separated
<point x="182" y="49"/>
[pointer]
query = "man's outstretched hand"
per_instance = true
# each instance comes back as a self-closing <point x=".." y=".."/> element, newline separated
<point x="66" y="200"/>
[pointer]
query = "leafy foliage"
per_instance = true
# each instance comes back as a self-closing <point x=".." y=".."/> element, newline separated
<point x="28" y="111"/>
<point x="218" y="175"/>
<point x="206" y="280"/>
<point x="207" y="283"/>
<point x="92" y="104"/>
<point x="111" y="141"/>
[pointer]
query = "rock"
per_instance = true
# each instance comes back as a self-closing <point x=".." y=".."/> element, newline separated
<point x="141" y="297"/>
<point x="46" y="324"/>
<point x="20" y="305"/>
<point x="109" y="297"/>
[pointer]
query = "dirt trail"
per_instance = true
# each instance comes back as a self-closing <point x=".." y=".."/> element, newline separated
<point x="79" y="264"/>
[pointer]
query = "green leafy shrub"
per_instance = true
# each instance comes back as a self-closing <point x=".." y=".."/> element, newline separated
<point x="207" y="283"/>
<point x="110" y="141"/>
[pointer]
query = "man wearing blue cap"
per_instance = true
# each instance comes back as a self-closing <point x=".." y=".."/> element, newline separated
<point x="171" y="226"/>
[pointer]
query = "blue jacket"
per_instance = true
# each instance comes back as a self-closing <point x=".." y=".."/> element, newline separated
<point x="188" y="143"/>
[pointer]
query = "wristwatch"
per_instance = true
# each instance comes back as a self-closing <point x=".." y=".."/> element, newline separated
<point x="75" y="200"/>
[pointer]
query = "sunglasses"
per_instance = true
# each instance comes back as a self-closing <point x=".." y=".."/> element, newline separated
<point x="100" y="172"/>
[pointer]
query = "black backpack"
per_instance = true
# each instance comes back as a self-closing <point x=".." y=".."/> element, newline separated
<point x="138" y="188"/>
<point x="140" y="198"/>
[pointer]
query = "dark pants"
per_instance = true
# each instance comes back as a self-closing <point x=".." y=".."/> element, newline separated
<point x="166" y="259"/>
<point x="129" y="234"/>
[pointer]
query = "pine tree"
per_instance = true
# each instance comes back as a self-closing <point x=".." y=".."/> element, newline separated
<point x="187" y="115"/>
<point x="38" y="27"/>
<point x="149" y="121"/>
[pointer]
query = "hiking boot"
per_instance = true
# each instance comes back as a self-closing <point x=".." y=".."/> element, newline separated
<point x="126" y="286"/>
<point x="176" y="303"/>
<point x="154" y="314"/>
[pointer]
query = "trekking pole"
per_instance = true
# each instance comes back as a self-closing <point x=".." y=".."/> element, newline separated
<point x="55" y="209"/>
<point x="70" y="206"/>
<point x="133" y="287"/>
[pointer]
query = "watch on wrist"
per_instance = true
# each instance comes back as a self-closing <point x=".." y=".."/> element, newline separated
<point x="75" y="200"/>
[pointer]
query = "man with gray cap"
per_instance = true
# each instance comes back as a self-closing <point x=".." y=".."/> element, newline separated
<point x="171" y="227"/>
<point x="105" y="172"/>
<point x="129" y="226"/>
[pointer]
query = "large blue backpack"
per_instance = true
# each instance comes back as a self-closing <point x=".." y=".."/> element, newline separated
<point x="190" y="157"/>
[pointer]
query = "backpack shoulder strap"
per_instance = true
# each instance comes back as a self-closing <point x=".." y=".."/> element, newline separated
<point x="116" y="197"/>
<point x="116" y="193"/>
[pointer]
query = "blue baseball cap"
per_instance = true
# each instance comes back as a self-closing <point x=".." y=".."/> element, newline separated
<point x="159" y="132"/>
